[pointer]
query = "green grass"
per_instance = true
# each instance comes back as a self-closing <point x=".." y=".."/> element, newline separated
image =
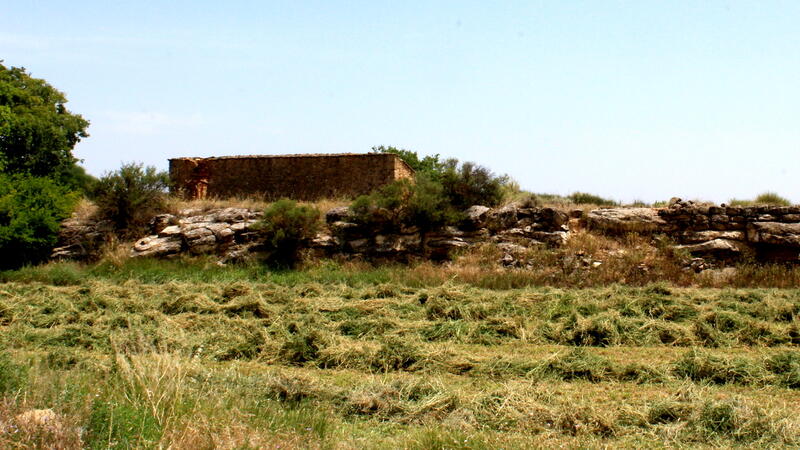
<point x="160" y="353"/>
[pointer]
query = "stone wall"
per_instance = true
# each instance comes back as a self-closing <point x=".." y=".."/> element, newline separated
<point x="764" y="232"/>
<point x="229" y="233"/>
<point x="719" y="232"/>
<point x="301" y="177"/>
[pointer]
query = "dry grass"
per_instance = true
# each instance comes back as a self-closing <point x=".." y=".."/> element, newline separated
<point x="176" y="204"/>
<point x="338" y="359"/>
<point x="84" y="210"/>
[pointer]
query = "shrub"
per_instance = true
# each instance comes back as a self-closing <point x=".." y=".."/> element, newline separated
<point x="766" y="198"/>
<point x="583" y="198"/>
<point x="463" y="184"/>
<point x="469" y="184"/>
<point x="771" y="198"/>
<point x="285" y="227"/>
<point x="403" y="203"/>
<point x="31" y="211"/>
<point x="130" y="197"/>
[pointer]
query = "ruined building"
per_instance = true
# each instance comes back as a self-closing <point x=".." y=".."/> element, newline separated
<point x="300" y="177"/>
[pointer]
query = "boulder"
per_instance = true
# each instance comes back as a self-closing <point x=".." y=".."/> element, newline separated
<point x="501" y="218"/>
<point x="475" y="217"/>
<point x="627" y="220"/>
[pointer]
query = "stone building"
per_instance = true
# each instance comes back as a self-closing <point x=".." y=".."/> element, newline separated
<point x="300" y="177"/>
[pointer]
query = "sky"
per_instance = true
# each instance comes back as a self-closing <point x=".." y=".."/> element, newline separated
<point x="630" y="100"/>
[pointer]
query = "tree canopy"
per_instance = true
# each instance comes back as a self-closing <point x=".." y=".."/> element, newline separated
<point x="37" y="132"/>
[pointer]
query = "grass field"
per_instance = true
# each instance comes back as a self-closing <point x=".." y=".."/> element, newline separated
<point x="186" y="354"/>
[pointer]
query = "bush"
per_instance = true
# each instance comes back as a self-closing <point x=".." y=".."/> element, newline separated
<point x="469" y="184"/>
<point x="31" y="211"/>
<point x="583" y="198"/>
<point x="130" y="197"/>
<point x="771" y="198"/>
<point x="766" y="198"/>
<point x="285" y="227"/>
<point x="463" y="184"/>
<point x="403" y="203"/>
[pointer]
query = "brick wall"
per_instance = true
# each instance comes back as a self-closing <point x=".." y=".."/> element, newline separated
<point x="301" y="177"/>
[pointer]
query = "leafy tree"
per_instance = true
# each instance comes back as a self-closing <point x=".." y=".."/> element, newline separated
<point x="37" y="132"/>
<point x="31" y="211"/>
<point x="131" y="196"/>
<point x="429" y="165"/>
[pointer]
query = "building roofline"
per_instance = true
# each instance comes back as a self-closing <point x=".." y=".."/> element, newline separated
<point x="297" y="155"/>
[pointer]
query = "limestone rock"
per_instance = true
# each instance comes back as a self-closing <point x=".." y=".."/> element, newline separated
<point x="716" y="247"/>
<point x="162" y="221"/>
<point x="172" y="230"/>
<point x="775" y="233"/>
<point x="694" y="237"/>
<point x="157" y="246"/>
<point x="397" y="243"/>
<point x="627" y="220"/>
<point x="501" y="218"/>
<point x="475" y="217"/>
<point x="324" y="241"/>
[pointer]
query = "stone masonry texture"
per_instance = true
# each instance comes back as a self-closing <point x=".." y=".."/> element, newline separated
<point x="300" y="177"/>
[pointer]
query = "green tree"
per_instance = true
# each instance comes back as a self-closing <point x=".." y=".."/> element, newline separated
<point x="31" y="211"/>
<point x="429" y="165"/>
<point x="37" y="132"/>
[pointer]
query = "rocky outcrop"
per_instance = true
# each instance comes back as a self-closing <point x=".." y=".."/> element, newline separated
<point x="227" y="232"/>
<point x="510" y="224"/>
<point x="626" y="220"/>
<point x="769" y="232"/>
<point x="720" y="232"/>
<point x="82" y="239"/>
<point x="230" y="234"/>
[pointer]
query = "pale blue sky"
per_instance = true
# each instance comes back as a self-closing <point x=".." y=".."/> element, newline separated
<point x="626" y="99"/>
